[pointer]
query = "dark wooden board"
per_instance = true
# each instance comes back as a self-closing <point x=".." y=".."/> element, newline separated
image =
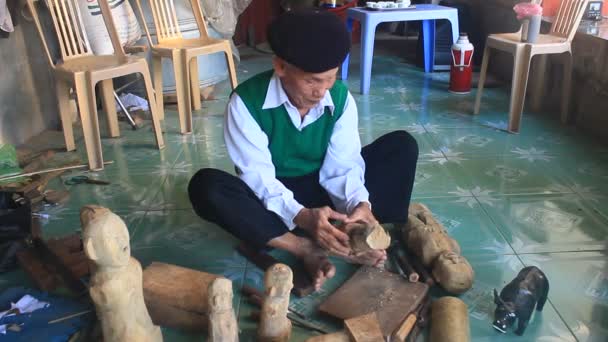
<point x="62" y="258"/>
<point x="372" y="289"/>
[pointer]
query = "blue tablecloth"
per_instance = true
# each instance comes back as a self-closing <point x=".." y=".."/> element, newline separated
<point x="35" y="325"/>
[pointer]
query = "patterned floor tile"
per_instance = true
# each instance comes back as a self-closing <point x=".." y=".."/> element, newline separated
<point x="578" y="290"/>
<point x="515" y="174"/>
<point x="425" y="143"/>
<point x="547" y="223"/>
<point x="129" y="188"/>
<point x="182" y="238"/>
<point x="482" y="141"/>
<point x="493" y="274"/>
<point x="469" y="224"/>
<point x="587" y="175"/>
<point x="173" y="193"/>
<point x="58" y="221"/>
<point x="437" y="177"/>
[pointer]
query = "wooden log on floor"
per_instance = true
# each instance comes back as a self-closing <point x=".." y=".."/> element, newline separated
<point x="176" y="297"/>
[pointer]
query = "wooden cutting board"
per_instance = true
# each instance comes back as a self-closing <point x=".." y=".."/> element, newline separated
<point x="372" y="289"/>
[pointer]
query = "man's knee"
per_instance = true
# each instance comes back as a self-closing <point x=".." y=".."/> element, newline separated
<point x="405" y="143"/>
<point x="206" y="187"/>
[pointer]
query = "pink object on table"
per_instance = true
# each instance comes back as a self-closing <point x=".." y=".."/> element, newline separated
<point x="526" y="10"/>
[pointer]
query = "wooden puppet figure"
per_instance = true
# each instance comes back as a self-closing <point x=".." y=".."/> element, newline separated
<point x="116" y="281"/>
<point x="222" y="320"/>
<point x="274" y="324"/>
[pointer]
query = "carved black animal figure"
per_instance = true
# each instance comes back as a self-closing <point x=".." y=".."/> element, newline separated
<point x="518" y="298"/>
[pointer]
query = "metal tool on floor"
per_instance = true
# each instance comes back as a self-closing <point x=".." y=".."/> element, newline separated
<point x="86" y="180"/>
<point x="125" y="111"/>
<point x="122" y="106"/>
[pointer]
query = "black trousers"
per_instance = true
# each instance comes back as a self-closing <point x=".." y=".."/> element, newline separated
<point x="390" y="168"/>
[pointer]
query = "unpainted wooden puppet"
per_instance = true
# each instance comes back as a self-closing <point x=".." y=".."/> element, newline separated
<point x="274" y="324"/>
<point x="116" y="281"/>
<point x="222" y="320"/>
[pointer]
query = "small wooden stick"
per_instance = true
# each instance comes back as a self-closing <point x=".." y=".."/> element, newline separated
<point x="422" y="319"/>
<point x="424" y="274"/>
<point x="65" y="318"/>
<point x="407" y="267"/>
<point x="50" y="170"/>
<point x="405" y="328"/>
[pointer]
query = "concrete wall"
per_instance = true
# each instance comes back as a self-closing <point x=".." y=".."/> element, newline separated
<point x="589" y="96"/>
<point x="27" y="91"/>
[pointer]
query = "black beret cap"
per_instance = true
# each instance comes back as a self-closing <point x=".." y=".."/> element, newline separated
<point x="312" y="40"/>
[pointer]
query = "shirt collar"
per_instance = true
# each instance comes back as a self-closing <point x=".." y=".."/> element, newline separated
<point x="276" y="96"/>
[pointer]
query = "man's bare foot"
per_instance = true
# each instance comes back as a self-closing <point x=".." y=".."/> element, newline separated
<point x="371" y="258"/>
<point x="317" y="263"/>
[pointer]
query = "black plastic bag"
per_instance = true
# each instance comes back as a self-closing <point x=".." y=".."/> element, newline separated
<point x="15" y="228"/>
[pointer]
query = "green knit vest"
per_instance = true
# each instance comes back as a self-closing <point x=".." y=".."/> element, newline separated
<point x="294" y="153"/>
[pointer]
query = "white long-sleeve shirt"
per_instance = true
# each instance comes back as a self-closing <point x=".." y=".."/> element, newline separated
<point x="342" y="171"/>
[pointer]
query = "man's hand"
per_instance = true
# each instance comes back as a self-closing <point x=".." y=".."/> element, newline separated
<point x="316" y="222"/>
<point x="361" y="213"/>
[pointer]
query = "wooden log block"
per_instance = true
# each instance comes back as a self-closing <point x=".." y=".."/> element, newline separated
<point x="453" y="272"/>
<point x="364" y="238"/>
<point x="449" y="320"/>
<point x="339" y="336"/>
<point x="176" y="286"/>
<point x="66" y="250"/>
<point x="37" y="271"/>
<point x="176" y="297"/>
<point x="364" y="328"/>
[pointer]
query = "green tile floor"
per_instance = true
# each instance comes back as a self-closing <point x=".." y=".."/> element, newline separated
<point x="535" y="198"/>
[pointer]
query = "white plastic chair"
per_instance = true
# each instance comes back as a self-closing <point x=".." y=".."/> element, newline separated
<point x="80" y="69"/>
<point x="557" y="41"/>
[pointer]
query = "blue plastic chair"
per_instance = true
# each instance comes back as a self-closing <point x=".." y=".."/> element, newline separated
<point x="369" y="19"/>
